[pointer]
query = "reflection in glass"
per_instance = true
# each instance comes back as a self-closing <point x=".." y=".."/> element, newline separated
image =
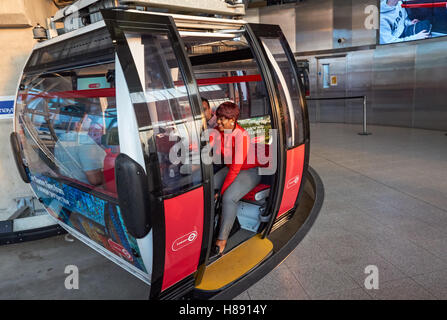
<point x="289" y="89"/>
<point x="70" y="125"/>
<point x="171" y="123"/>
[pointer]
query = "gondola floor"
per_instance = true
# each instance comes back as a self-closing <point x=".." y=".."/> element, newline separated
<point x="235" y="264"/>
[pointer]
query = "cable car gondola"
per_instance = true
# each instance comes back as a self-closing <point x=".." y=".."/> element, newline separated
<point x="99" y="111"/>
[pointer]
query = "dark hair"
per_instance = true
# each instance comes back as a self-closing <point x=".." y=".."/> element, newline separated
<point x="228" y="110"/>
<point x="206" y="100"/>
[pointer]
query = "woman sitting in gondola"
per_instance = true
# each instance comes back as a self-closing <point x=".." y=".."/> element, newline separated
<point x="240" y="175"/>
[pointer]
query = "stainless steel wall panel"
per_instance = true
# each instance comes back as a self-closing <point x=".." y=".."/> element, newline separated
<point x="430" y="86"/>
<point x="279" y="15"/>
<point x="312" y="105"/>
<point x="318" y="24"/>
<point x="406" y="83"/>
<point x="393" y="80"/>
<point x="312" y="111"/>
<point x="337" y="68"/>
<point x="314" y="25"/>
<point x="342" y="24"/>
<point x="360" y="71"/>
<point x="331" y="110"/>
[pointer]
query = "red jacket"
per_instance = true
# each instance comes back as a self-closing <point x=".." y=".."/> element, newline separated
<point x="242" y="151"/>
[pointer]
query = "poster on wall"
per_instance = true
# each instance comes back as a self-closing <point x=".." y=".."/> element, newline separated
<point x="402" y="21"/>
<point x="6" y="107"/>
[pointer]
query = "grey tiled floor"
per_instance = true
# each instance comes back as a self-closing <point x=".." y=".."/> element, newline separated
<point x="385" y="205"/>
<point x="36" y="270"/>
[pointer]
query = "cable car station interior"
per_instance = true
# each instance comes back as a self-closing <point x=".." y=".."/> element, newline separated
<point x="224" y="149"/>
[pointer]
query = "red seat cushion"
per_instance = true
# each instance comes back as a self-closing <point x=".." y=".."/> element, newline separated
<point x="251" y="195"/>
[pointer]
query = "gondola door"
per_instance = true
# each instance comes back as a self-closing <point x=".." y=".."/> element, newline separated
<point x="168" y="113"/>
<point x="292" y="114"/>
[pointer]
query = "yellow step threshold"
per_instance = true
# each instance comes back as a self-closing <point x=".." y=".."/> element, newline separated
<point x="235" y="264"/>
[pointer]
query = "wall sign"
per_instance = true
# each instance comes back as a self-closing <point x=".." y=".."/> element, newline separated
<point x="6" y="107"/>
<point x="334" y="81"/>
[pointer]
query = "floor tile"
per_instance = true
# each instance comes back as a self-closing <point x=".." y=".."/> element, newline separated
<point x="402" y="289"/>
<point x="320" y="279"/>
<point x="438" y="247"/>
<point x="435" y="283"/>
<point x="243" y="296"/>
<point x="355" y="267"/>
<point x="412" y="259"/>
<point x="279" y="284"/>
<point x="353" y="294"/>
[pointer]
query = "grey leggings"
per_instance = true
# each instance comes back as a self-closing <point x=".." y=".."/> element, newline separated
<point x="245" y="181"/>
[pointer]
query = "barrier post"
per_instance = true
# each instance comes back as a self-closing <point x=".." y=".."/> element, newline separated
<point x="365" y="131"/>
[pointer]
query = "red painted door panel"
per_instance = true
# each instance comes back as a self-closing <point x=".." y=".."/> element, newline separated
<point x="184" y="231"/>
<point x="294" y="172"/>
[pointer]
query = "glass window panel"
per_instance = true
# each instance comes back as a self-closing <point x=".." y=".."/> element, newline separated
<point x="97" y="45"/>
<point x="326" y="78"/>
<point x="289" y="90"/>
<point x="70" y="132"/>
<point x="226" y="70"/>
<point x="171" y="120"/>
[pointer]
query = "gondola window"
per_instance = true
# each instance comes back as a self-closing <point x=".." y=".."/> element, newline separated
<point x="70" y="125"/>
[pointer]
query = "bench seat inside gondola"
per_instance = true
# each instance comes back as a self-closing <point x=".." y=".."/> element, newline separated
<point x="252" y="206"/>
<point x="249" y="215"/>
<point x="258" y="194"/>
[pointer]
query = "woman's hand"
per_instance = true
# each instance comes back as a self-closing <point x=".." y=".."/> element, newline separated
<point x="414" y="21"/>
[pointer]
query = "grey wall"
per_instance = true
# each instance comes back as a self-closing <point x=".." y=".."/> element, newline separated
<point x="314" y="25"/>
<point x="318" y="24"/>
<point x="285" y="16"/>
<point x="342" y="23"/>
<point x="406" y="85"/>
